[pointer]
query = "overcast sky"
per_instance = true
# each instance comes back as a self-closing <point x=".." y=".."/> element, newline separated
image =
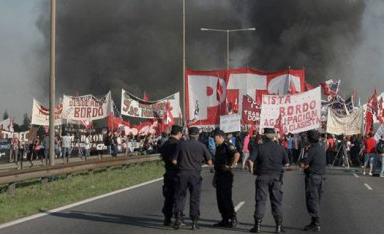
<point x="18" y="40"/>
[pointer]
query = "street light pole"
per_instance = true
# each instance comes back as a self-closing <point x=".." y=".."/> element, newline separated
<point x="228" y="31"/>
<point x="184" y="60"/>
<point x="52" y="85"/>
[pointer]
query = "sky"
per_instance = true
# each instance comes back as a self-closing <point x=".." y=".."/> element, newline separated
<point x="18" y="41"/>
<point x="141" y="39"/>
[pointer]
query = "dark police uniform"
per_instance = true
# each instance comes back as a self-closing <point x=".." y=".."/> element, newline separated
<point x="269" y="159"/>
<point x="190" y="155"/>
<point x="316" y="160"/>
<point x="170" y="177"/>
<point x="224" y="157"/>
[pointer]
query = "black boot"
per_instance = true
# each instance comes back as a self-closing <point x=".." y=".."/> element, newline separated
<point x="194" y="225"/>
<point x="222" y="223"/>
<point x="278" y="225"/>
<point x="167" y="221"/>
<point x="178" y="221"/>
<point x="314" y="225"/>
<point x="257" y="226"/>
<point x="233" y="222"/>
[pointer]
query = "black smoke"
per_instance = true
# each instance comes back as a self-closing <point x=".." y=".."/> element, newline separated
<point x="137" y="44"/>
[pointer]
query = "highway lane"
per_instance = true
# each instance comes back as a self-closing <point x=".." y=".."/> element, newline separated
<point x="348" y="206"/>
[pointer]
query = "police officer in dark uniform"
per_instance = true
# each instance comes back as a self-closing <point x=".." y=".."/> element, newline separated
<point x="314" y="164"/>
<point x="188" y="158"/>
<point x="226" y="157"/>
<point x="268" y="160"/>
<point x="167" y="151"/>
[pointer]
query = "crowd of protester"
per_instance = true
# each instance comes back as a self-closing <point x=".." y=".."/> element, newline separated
<point x="346" y="151"/>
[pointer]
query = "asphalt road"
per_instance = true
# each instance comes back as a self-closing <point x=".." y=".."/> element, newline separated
<point x="348" y="206"/>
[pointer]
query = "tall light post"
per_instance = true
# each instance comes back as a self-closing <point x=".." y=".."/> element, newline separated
<point x="52" y="85"/>
<point x="184" y="60"/>
<point x="228" y="31"/>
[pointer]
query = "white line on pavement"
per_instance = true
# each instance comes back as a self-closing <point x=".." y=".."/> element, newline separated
<point x="18" y="221"/>
<point x="355" y="175"/>
<point x="237" y="207"/>
<point x="368" y="186"/>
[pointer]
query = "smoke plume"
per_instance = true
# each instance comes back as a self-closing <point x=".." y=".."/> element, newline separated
<point x="137" y="44"/>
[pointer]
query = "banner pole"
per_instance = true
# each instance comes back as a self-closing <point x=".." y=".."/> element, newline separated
<point x="52" y="86"/>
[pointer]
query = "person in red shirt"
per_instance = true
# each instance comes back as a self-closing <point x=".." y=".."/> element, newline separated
<point x="369" y="149"/>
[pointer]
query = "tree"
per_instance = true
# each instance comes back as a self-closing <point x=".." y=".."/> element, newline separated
<point x="5" y="115"/>
<point x="26" y="122"/>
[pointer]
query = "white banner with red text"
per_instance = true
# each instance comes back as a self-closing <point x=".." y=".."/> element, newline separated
<point x="40" y="114"/>
<point x="133" y="106"/>
<point x="86" y="107"/>
<point x="296" y="113"/>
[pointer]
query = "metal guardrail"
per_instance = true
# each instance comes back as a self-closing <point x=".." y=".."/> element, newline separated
<point x="13" y="177"/>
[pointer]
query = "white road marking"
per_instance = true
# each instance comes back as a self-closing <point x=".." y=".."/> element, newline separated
<point x="368" y="186"/>
<point x="18" y="221"/>
<point x="237" y="207"/>
<point x="355" y="175"/>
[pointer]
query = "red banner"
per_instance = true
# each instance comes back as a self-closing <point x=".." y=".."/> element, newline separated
<point x="209" y="94"/>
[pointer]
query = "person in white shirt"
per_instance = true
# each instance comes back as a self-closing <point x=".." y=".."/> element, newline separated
<point x="66" y="146"/>
<point x="87" y="146"/>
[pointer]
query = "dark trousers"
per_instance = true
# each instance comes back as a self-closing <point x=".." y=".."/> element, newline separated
<point x="313" y="191"/>
<point x="329" y="157"/>
<point x="169" y="186"/>
<point x="290" y="153"/>
<point x="224" y="187"/>
<point x="191" y="181"/>
<point x="264" y="185"/>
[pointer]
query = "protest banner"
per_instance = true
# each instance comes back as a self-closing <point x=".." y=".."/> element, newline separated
<point x="7" y="125"/>
<point x="349" y="124"/>
<point x="230" y="123"/>
<point x="296" y="113"/>
<point x="210" y="94"/>
<point x="133" y="106"/>
<point x="40" y="114"/>
<point x="86" y="107"/>
<point x="250" y="111"/>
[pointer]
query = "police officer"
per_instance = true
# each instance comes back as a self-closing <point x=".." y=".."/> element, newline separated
<point x="314" y="164"/>
<point x="167" y="151"/>
<point x="226" y="157"/>
<point x="188" y="158"/>
<point x="268" y="160"/>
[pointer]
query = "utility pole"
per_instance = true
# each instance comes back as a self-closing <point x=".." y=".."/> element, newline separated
<point x="52" y="85"/>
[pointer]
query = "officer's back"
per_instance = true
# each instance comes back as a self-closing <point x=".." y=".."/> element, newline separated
<point x="269" y="158"/>
<point x="190" y="155"/>
<point x="167" y="152"/>
<point x="315" y="158"/>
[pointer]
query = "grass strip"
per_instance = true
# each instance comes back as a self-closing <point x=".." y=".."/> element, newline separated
<point x="32" y="198"/>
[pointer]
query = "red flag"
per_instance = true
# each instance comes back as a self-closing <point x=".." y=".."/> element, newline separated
<point x="368" y="122"/>
<point x="380" y="113"/>
<point x="308" y="86"/>
<point x="372" y="103"/>
<point x="146" y="97"/>
<point x="87" y="124"/>
<point x="279" y="125"/>
<point x="292" y="89"/>
<point x="219" y="90"/>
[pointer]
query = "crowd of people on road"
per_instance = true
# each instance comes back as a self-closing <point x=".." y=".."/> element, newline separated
<point x="346" y="151"/>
